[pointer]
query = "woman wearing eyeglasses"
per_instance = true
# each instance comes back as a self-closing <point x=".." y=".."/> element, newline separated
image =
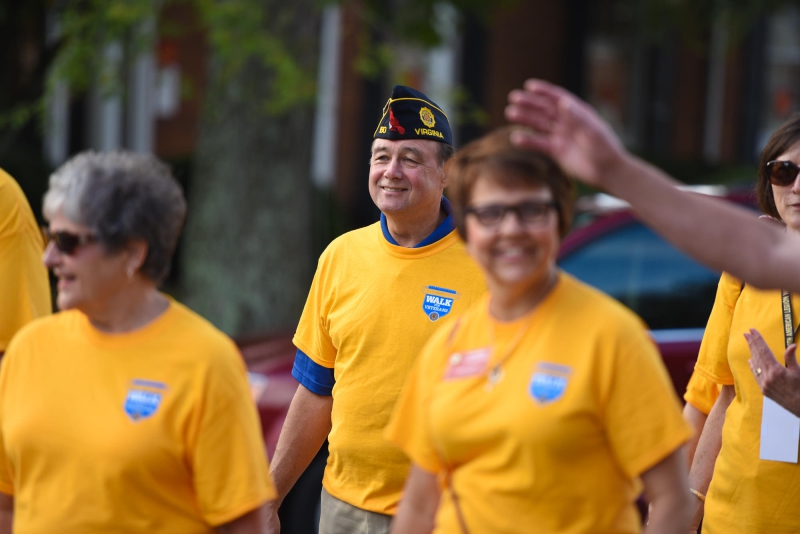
<point x="736" y="487"/>
<point x="545" y="407"/>
<point x="125" y="411"/>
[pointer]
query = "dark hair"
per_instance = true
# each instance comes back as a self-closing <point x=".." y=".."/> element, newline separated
<point x="122" y="196"/>
<point x="779" y="142"/>
<point x="494" y="156"/>
<point x="443" y="153"/>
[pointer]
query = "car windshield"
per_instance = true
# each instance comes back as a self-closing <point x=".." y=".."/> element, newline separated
<point x="637" y="267"/>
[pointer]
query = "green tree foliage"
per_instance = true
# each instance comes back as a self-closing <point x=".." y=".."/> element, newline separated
<point x="87" y="27"/>
<point x="238" y="31"/>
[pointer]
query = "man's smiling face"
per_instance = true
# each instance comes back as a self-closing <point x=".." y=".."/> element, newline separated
<point x="405" y="177"/>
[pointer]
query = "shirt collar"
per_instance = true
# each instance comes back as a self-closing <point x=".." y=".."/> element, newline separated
<point x="447" y="226"/>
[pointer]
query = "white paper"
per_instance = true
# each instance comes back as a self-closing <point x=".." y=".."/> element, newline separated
<point x="780" y="433"/>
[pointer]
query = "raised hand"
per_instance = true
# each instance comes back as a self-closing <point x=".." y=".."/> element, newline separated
<point x="567" y="129"/>
<point x="779" y="383"/>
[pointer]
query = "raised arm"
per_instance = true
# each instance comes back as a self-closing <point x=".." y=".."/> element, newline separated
<point x="714" y="232"/>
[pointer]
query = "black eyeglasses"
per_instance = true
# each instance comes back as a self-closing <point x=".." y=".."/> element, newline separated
<point x="531" y="213"/>
<point x="67" y="242"/>
<point x="782" y="172"/>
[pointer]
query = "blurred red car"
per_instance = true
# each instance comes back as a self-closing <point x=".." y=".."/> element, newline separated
<point x="610" y="249"/>
<point x="269" y="362"/>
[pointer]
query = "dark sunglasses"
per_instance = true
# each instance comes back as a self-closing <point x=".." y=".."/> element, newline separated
<point x="527" y="212"/>
<point x="67" y="242"/>
<point x="782" y="172"/>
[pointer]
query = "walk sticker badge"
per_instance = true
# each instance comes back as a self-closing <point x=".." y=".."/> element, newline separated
<point x="143" y="399"/>
<point x="548" y="382"/>
<point x="438" y="301"/>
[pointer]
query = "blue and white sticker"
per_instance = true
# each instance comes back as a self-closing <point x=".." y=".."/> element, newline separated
<point x="549" y="382"/>
<point x="438" y="301"/>
<point x="141" y="403"/>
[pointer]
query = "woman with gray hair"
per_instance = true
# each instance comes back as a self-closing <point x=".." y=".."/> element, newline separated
<point x="126" y="411"/>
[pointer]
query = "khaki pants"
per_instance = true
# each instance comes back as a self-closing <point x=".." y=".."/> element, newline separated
<point x="338" y="517"/>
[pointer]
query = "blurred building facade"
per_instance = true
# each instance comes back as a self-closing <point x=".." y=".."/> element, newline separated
<point x="714" y="102"/>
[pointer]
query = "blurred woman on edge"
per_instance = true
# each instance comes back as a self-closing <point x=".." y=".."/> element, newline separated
<point x="125" y="411"/>
<point x="545" y="406"/>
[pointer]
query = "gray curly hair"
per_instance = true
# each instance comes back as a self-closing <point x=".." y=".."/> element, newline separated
<point x="122" y="196"/>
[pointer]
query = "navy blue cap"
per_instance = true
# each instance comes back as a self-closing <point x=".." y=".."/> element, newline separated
<point x="409" y="114"/>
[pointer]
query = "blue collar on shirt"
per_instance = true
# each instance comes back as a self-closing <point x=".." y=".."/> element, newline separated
<point x="441" y="231"/>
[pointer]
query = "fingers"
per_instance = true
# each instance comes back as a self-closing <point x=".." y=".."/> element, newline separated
<point x="536" y="109"/>
<point x="790" y="356"/>
<point x="767" y="370"/>
<point x="760" y="355"/>
<point x="757" y="373"/>
<point x="525" y="116"/>
<point x="759" y="349"/>
<point x="547" y="89"/>
<point x="531" y="110"/>
<point x="531" y="141"/>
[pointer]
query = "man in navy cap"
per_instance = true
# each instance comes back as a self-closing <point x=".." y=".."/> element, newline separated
<point x="377" y="294"/>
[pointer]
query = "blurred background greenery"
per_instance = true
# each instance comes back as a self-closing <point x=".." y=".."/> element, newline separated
<point x="266" y="108"/>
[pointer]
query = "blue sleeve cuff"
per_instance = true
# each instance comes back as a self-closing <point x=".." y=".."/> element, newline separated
<point x="314" y="377"/>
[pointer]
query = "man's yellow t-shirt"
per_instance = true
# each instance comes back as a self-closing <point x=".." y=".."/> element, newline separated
<point x="557" y="445"/>
<point x="149" y="431"/>
<point x="371" y="307"/>
<point x="24" y="285"/>
<point x="746" y="494"/>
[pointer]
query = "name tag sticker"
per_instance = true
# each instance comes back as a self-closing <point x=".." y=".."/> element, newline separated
<point x="464" y="364"/>
<point x="780" y="433"/>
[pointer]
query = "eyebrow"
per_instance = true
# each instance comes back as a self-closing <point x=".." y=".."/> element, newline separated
<point x="417" y="152"/>
<point x="384" y="149"/>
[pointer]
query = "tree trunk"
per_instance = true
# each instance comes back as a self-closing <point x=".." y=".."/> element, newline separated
<point x="247" y="261"/>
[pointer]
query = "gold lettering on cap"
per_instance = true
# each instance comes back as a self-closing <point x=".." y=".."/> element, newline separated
<point x="425" y="131"/>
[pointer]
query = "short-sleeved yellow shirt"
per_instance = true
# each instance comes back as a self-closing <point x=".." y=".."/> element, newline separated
<point x="557" y="446"/>
<point x="371" y="307"/>
<point x="746" y="494"/>
<point x="701" y="392"/>
<point x="149" y="431"/>
<point x="24" y="285"/>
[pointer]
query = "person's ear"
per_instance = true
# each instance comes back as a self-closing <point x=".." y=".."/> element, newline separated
<point x="442" y="177"/>
<point x="137" y="253"/>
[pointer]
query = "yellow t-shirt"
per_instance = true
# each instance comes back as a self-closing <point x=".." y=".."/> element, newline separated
<point x="701" y="392"/>
<point x="557" y="446"/>
<point x="746" y="494"/>
<point x="371" y="307"/>
<point x="150" y="431"/>
<point x="24" y="285"/>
